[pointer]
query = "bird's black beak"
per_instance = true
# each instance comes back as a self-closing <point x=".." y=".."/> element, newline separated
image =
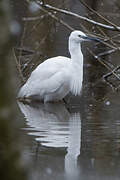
<point x="90" y="38"/>
<point x="95" y="39"/>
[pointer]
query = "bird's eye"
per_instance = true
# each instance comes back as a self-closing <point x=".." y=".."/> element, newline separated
<point x="79" y="36"/>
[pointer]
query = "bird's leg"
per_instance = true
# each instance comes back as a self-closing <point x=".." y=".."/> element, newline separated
<point x="24" y="100"/>
<point x="64" y="100"/>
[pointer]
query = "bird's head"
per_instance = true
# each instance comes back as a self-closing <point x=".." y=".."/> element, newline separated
<point x="79" y="36"/>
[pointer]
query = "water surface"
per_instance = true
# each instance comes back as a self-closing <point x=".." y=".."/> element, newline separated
<point x="73" y="143"/>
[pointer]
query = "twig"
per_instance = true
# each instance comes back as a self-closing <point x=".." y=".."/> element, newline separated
<point x="105" y="65"/>
<point x="102" y="31"/>
<point x="109" y="45"/>
<point x="44" y="8"/>
<point x="117" y="28"/>
<point x="21" y="44"/>
<point x="43" y="39"/>
<point x="24" y="50"/>
<point x="110" y="73"/>
<point x="84" y="28"/>
<point x="18" y="67"/>
<point x="32" y="29"/>
<point x="110" y="84"/>
<point x="99" y="15"/>
<point x="57" y="19"/>
<point x="61" y="21"/>
<point x="114" y="46"/>
<point x="107" y="38"/>
<point x="117" y="88"/>
<point x="33" y="18"/>
<point x="107" y="52"/>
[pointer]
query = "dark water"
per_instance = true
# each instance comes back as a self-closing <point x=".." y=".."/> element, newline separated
<point x="77" y="140"/>
<point x="76" y="143"/>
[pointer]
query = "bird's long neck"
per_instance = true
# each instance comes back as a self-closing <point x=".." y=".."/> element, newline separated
<point x="76" y="67"/>
<point x="76" y="53"/>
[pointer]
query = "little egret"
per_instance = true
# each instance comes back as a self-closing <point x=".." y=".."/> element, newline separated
<point x="53" y="79"/>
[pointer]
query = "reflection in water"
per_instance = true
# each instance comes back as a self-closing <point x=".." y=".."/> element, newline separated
<point x="74" y="143"/>
<point x="92" y="154"/>
<point x="53" y="126"/>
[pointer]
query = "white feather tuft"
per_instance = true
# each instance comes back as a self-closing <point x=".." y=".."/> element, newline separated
<point x="76" y="86"/>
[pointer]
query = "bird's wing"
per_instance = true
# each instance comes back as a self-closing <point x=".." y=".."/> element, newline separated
<point x="49" y="67"/>
<point x="48" y="76"/>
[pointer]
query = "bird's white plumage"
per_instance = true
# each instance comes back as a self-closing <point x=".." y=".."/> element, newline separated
<point x="53" y="79"/>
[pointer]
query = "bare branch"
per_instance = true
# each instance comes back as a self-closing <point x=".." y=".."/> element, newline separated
<point x="18" y="67"/>
<point x="107" y="52"/>
<point x="105" y="65"/>
<point x="42" y="7"/>
<point x="51" y="11"/>
<point x="117" y="28"/>
<point x="33" y="18"/>
<point x="99" y="15"/>
<point x="57" y="19"/>
<point x="110" y="73"/>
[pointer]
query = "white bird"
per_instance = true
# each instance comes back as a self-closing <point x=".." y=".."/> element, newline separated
<point x="53" y="79"/>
